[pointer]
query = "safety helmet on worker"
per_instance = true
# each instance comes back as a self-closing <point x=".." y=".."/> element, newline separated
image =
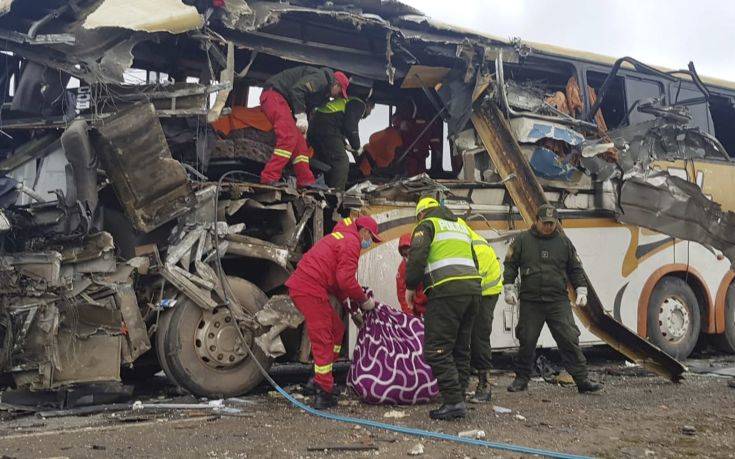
<point x="426" y="204"/>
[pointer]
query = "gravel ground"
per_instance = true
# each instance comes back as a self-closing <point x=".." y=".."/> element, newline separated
<point x="636" y="415"/>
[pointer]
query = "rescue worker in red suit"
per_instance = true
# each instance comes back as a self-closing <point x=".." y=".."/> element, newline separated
<point x="330" y="268"/>
<point x="420" y="300"/>
<point x="343" y="224"/>
<point x="286" y="101"/>
<point x="412" y="121"/>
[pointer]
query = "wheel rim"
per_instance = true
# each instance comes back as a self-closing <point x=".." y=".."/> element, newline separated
<point x="674" y="319"/>
<point x="217" y="342"/>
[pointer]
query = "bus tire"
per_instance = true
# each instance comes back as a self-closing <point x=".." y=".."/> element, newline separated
<point x="164" y="319"/>
<point x="726" y="341"/>
<point x="674" y="318"/>
<point x="201" y="351"/>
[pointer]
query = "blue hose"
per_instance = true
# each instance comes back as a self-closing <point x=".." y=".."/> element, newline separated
<point x="423" y="433"/>
<point x="366" y="422"/>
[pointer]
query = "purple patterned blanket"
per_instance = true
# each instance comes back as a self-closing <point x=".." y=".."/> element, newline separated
<point x="387" y="365"/>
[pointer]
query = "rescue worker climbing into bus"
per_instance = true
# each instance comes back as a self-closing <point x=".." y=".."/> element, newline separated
<point x="286" y="101"/>
<point x="418" y="308"/>
<point x="330" y="268"/>
<point x="441" y="257"/>
<point x="492" y="285"/>
<point x="545" y="258"/>
<point x="330" y="125"/>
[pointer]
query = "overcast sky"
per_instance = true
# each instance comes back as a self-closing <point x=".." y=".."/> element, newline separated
<point x="662" y="32"/>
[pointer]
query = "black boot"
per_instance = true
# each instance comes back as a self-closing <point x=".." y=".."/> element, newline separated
<point x="309" y="388"/>
<point x="449" y="411"/>
<point x="731" y="383"/>
<point x="518" y="385"/>
<point x="324" y="399"/>
<point x="588" y="386"/>
<point x="482" y="393"/>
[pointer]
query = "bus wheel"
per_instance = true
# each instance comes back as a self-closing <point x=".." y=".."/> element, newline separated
<point x="160" y="339"/>
<point x="673" y="317"/>
<point x="203" y="351"/>
<point x="726" y="341"/>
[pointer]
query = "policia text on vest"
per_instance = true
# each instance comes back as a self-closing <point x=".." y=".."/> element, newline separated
<point x="441" y="256"/>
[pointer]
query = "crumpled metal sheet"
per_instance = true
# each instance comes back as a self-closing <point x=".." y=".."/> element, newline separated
<point x="661" y="139"/>
<point x="171" y="16"/>
<point x="153" y="187"/>
<point x="406" y="190"/>
<point x="678" y="208"/>
<point x="528" y="130"/>
<point x="68" y="329"/>
<point x="279" y="313"/>
<point x="267" y="28"/>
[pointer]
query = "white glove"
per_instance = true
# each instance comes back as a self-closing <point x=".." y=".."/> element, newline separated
<point x="410" y="295"/>
<point x="368" y="305"/>
<point x="511" y="295"/>
<point x="302" y="123"/>
<point x="581" y="297"/>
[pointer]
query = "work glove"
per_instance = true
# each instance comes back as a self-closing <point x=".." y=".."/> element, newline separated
<point x="581" y="297"/>
<point x="357" y="319"/>
<point x="511" y="295"/>
<point x="368" y="305"/>
<point x="410" y="295"/>
<point x="302" y="123"/>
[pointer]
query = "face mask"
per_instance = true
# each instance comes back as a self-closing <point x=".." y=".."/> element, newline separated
<point x="366" y="244"/>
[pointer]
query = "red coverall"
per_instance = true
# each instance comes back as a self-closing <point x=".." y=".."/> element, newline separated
<point x="420" y="300"/>
<point x="343" y="224"/>
<point x="328" y="268"/>
<point x="290" y="143"/>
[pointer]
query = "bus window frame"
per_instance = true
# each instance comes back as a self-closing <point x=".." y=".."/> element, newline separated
<point x="724" y="94"/>
<point x="674" y="86"/>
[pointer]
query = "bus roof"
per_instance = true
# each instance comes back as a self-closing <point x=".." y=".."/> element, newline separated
<point x="560" y="51"/>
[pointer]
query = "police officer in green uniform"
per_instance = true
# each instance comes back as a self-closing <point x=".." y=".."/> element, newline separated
<point x="545" y="259"/>
<point x="330" y="125"/>
<point x="492" y="285"/>
<point x="441" y="256"/>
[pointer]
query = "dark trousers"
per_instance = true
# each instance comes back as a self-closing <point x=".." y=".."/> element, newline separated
<point x="481" y="350"/>
<point x="447" y="337"/>
<point x="331" y="150"/>
<point x="558" y="316"/>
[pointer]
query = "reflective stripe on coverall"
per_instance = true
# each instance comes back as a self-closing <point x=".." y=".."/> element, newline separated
<point x="328" y="268"/>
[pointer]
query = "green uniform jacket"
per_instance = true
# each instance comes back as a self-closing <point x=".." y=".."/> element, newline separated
<point x="544" y="263"/>
<point x="418" y="254"/>
<point x="303" y="87"/>
<point x="339" y="124"/>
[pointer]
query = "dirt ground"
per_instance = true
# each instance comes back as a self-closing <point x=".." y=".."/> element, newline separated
<point x="636" y="415"/>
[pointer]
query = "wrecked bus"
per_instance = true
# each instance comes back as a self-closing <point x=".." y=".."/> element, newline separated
<point x="135" y="233"/>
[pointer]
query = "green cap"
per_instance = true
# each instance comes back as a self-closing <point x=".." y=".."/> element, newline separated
<point x="547" y="213"/>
